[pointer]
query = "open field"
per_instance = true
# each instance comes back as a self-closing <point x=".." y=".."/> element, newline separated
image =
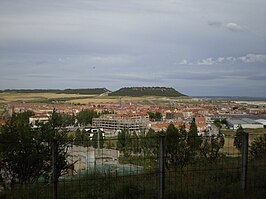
<point x="32" y="97"/>
<point x="229" y="139"/>
<point x="8" y="97"/>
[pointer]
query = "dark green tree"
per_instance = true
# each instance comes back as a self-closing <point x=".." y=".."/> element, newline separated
<point x="258" y="147"/>
<point x="149" y="143"/>
<point x="172" y="142"/>
<point x="177" y="148"/>
<point x="97" y="139"/>
<point x="84" y="117"/>
<point x="135" y="143"/>
<point x="26" y="152"/>
<point x="82" y="138"/>
<point x="151" y="116"/>
<point x="123" y="141"/>
<point x="211" y="145"/>
<point x="238" y="138"/>
<point x="157" y="116"/>
<point x="194" y="140"/>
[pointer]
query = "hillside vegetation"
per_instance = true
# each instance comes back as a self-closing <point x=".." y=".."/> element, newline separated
<point x="85" y="91"/>
<point x="146" y="91"/>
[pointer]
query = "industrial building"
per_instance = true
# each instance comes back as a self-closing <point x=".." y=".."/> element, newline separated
<point x="244" y="122"/>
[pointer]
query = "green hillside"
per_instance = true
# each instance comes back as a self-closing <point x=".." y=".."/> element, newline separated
<point x="88" y="91"/>
<point x="146" y="91"/>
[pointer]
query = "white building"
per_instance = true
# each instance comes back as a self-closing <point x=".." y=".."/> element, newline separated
<point x="246" y="123"/>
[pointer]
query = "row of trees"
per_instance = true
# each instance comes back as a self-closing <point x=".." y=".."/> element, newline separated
<point x="26" y="152"/>
<point x="181" y="146"/>
<point x="82" y="138"/>
<point x="157" y="116"/>
<point x="84" y="117"/>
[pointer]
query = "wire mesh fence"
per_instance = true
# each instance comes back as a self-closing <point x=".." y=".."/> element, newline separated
<point x="148" y="167"/>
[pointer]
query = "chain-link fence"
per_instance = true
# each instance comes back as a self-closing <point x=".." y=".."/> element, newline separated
<point x="148" y="167"/>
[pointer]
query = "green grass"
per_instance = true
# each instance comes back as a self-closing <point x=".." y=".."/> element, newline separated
<point x="201" y="179"/>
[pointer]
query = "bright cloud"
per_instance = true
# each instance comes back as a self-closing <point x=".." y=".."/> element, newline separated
<point x="253" y="58"/>
<point x="208" y="61"/>
<point x="249" y="58"/>
<point x="234" y="27"/>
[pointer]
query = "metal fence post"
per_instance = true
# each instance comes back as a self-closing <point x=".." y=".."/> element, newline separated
<point x="54" y="168"/>
<point x="161" y="167"/>
<point x="244" y="154"/>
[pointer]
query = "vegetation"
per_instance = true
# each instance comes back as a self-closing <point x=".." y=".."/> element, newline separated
<point x="146" y="91"/>
<point x="26" y="152"/>
<point x="97" y="139"/>
<point x="87" y="91"/>
<point x="157" y="116"/>
<point x="213" y="180"/>
<point x="82" y="138"/>
<point x="84" y="117"/>
<point x="190" y="173"/>
<point x="211" y="146"/>
<point x="258" y="147"/>
<point x="238" y="138"/>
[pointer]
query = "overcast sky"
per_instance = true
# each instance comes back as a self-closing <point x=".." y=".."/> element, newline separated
<point x="198" y="47"/>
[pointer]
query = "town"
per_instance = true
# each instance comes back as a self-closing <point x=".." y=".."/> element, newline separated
<point x="134" y="116"/>
<point x="108" y="138"/>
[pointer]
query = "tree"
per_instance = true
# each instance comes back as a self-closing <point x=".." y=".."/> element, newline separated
<point x="217" y="123"/>
<point x="258" y="147"/>
<point x="135" y="143"/>
<point x="158" y="116"/>
<point x="150" y="143"/>
<point x="18" y="141"/>
<point x="123" y="141"/>
<point x="177" y="148"/>
<point x="238" y="138"/>
<point x="84" y="117"/>
<point x="82" y="138"/>
<point x="97" y="139"/>
<point x="194" y="140"/>
<point x="155" y="116"/>
<point x="26" y="152"/>
<point x="172" y="141"/>
<point x="211" y="145"/>
<point x="151" y="116"/>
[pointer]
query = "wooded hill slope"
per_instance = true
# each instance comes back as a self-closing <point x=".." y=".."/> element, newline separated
<point x="146" y="91"/>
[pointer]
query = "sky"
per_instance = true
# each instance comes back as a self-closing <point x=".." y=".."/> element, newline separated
<point x="200" y="48"/>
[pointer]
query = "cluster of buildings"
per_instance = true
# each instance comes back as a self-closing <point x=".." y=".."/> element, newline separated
<point x="135" y="117"/>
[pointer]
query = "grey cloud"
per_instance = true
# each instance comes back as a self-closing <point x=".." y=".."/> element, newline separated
<point x="207" y="61"/>
<point x="113" y="43"/>
<point x="258" y="77"/>
<point x="215" y="23"/>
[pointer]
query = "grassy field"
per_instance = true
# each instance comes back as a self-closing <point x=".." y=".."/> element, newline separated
<point x="31" y="97"/>
<point x="229" y="139"/>
<point x="9" y="97"/>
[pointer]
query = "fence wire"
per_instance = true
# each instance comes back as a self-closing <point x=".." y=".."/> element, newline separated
<point x="130" y="168"/>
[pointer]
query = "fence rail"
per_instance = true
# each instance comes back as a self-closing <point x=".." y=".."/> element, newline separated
<point x="147" y="167"/>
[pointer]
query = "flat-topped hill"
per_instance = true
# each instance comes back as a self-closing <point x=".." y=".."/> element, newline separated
<point x="146" y="91"/>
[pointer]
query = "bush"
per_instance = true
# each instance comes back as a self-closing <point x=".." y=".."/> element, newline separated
<point x="258" y="148"/>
